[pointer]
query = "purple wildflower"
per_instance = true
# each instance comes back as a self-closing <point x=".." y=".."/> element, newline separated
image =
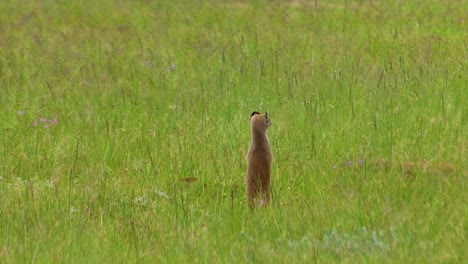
<point x="361" y="161"/>
<point x="43" y="120"/>
<point x="53" y="121"/>
<point x="46" y="126"/>
<point x="21" y="112"/>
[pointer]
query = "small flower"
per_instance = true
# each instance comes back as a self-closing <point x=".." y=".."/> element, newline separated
<point x="147" y="63"/>
<point x="172" y="67"/>
<point x="43" y="120"/>
<point x="53" y="121"/>
<point x="21" y="112"/>
<point x="348" y="163"/>
<point x="361" y="161"/>
<point x="46" y="126"/>
<point x="162" y="194"/>
<point x="141" y="200"/>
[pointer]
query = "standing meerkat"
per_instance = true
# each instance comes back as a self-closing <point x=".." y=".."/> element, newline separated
<point x="259" y="160"/>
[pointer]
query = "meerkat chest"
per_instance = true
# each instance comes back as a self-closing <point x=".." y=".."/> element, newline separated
<point x="260" y="152"/>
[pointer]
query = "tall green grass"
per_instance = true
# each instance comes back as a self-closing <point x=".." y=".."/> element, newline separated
<point x="110" y="108"/>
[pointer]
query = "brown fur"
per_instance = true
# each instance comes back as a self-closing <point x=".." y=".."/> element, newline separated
<point x="259" y="160"/>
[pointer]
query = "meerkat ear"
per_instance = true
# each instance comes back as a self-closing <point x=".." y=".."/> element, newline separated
<point x="254" y="113"/>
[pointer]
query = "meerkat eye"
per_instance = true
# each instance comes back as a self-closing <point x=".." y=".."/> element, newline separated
<point x="267" y="119"/>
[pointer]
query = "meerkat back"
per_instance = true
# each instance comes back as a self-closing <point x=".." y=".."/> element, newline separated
<point x="259" y="160"/>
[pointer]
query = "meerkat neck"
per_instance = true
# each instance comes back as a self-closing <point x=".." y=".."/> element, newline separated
<point x="258" y="136"/>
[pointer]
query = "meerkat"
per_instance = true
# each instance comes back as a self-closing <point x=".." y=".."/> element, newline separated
<point x="259" y="160"/>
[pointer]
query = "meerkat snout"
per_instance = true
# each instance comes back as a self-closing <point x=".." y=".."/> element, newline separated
<point x="259" y="160"/>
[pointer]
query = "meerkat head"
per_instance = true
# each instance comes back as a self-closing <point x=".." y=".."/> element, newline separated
<point x="260" y="122"/>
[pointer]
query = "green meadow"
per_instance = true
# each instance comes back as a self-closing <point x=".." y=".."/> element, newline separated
<point x="124" y="127"/>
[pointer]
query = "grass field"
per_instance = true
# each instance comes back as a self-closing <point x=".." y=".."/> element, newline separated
<point x="124" y="127"/>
